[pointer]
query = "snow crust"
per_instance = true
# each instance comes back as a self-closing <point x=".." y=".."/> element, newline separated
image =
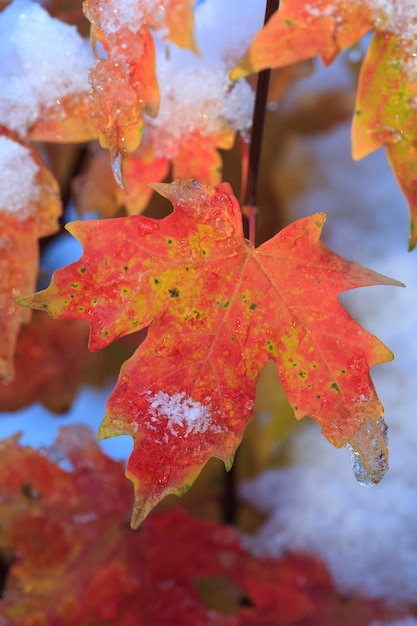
<point x="18" y="188"/>
<point x="43" y="60"/>
<point x="367" y="537"/>
<point x="183" y="415"/>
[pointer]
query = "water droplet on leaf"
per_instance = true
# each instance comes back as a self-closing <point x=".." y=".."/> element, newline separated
<point x="368" y="452"/>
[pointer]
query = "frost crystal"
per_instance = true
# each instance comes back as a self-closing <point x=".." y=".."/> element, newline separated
<point x="180" y="412"/>
<point x="18" y="189"/>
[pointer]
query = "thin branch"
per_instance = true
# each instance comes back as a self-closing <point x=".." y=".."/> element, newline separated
<point x="251" y="195"/>
<point x="230" y="499"/>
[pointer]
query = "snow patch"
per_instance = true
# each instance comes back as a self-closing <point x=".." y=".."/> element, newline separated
<point x="43" y="60"/>
<point x="18" y="189"/>
<point x="181" y="412"/>
<point x="207" y="104"/>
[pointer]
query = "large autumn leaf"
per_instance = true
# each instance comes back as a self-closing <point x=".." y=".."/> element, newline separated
<point x="29" y="209"/>
<point x="69" y="557"/>
<point x="218" y="310"/>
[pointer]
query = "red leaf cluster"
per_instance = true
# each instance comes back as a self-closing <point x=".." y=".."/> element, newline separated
<point x="72" y="559"/>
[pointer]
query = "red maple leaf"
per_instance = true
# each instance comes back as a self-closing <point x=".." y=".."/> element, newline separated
<point x="49" y="362"/>
<point x="71" y="559"/>
<point x="218" y="310"/>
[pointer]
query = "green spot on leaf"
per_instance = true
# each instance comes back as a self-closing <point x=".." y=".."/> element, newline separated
<point x="174" y="293"/>
<point x="271" y="347"/>
<point x="335" y="386"/>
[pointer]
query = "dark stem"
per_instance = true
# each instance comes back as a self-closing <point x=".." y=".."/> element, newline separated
<point x="230" y="499"/>
<point x="255" y="146"/>
<point x="229" y="504"/>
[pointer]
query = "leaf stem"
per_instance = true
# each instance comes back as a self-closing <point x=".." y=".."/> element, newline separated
<point x="229" y="502"/>
<point x="255" y="146"/>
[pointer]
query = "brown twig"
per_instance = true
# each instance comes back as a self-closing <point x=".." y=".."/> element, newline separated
<point x="255" y="146"/>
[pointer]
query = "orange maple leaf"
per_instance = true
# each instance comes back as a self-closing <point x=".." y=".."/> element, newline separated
<point x="301" y="30"/>
<point x="219" y="309"/>
<point x="386" y="112"/>
<point x="67" y="121"/>
<point x="25" y="215"/>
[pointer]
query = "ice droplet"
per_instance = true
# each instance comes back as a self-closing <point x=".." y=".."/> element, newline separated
<point x="368" y="452"/>
<point x="117" y="167"/>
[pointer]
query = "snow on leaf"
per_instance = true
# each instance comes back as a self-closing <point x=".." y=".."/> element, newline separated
<point x="386" y="114"/>
<point x="219" y="310"/>
<point x="37" y="99"/>
<point x="300" y="30"/>
<point x="123" y="87"/>
<point x="29" y="208"/>
<point x="124" y="84"/>
<point x="180" y="410"/>
<point x="67" y="121"/>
